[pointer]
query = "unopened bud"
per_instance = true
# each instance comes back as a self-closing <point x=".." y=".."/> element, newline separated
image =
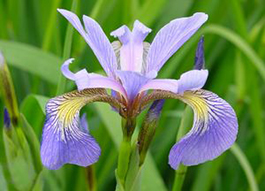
<point x="148" y="128"/>
<point x="199" y="58"/>
<point x="7" y="91"/>
<point x="7" y="122"/>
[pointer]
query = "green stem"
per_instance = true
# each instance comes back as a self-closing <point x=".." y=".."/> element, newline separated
<point x="128" y="126"/>
<point x="185" y="125"/>
<point x="124" y="159"/>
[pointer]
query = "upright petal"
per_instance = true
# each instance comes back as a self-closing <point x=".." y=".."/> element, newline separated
<point x="132" y="49"/>
<point x="64" y="139"/>
<point x="132" y="82"/>
<point x="214" y="130"/>
<point x="85" y="80"/>
<point x="96" y="39"/>
<point x="171" y="37"/>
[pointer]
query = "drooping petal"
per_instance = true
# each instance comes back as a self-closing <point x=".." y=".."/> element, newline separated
<point x="214" y="130"/>
<point x="199" y="57"/>
<point x="84" y="124"/>
<point x="132" y="82"/>
<point x="85" y="80"/>
<point x="171" y="37"/>
<point x="191" y="80"/>
<point x="64" y="139"/>
<point x="131" y="51"/>
<point x="96" y="39"/>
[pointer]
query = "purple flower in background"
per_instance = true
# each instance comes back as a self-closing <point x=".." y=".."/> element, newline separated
<point x="131" y="66"/>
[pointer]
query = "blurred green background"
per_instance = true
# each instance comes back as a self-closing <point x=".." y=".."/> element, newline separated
<point x="35" y="39"/>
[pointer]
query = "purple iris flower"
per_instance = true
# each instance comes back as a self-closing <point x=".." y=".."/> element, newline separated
<point x="131" y="66"/>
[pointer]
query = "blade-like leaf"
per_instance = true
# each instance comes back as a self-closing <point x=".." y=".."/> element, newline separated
<point x="32" y="59"/>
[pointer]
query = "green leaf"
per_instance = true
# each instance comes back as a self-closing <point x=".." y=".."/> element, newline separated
<point x="39" y="99"/>
<point x="242" y="159"/>
<point x="18" y="163"/>
<point x="33" y="142"/>
<point x="240" y="43"/>
<point x="32" y="59"/>
<point x="3" y="184"/>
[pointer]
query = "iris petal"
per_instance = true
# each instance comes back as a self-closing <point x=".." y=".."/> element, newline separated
<point x="214" y="130"/>
<point x="96" y="39"/>
<point x="85" y="80"/>
<point x="171" y="37"/>
<point x="132" y="49"/>
<point x="64" y="139"/>
<point x="132" y="82"/>
<point x="191" y="80"/>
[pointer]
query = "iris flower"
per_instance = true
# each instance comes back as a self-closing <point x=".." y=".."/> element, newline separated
<point x="131" y="66"/>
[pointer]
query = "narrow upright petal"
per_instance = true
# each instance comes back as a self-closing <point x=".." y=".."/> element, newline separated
<point x="171" y="37"/>
<point x="132" y="49"/>
<point x="85" y="80"/>
<point x="199" y="57"/>
<point x="214" y="130"/>
<point x="96" y="39"/>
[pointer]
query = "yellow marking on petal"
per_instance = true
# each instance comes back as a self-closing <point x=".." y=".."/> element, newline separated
<point x="197" y="102"/>
<point x="68" y="109"/>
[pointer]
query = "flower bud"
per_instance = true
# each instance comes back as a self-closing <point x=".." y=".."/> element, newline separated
<point x="7" y="122"/>
<point x="199" y="57"/>
<point x="8" y="92"/>
<point x="147" y="131"/>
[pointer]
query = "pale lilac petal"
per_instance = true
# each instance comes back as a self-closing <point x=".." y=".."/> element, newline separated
<point x="131" y="51"/>
<point x="65" y="69"/>
<point x="199" y="58"/>
<point x="132" y="82"/>
<point x="214" y="130"/>
<point x="171" y="37"/>
<point x="123" y="34"/>
<point x="140" y="31"/>
<point x="192" y="80"/>
<point x="161" y="84"/>
<point x="96" y="39"/>
<point x="84" y="80"/>
<point x="63" y="140"/>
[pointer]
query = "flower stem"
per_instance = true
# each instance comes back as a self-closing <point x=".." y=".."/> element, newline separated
<point x="184" y="127"/>
<point x="128" y="126"/>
